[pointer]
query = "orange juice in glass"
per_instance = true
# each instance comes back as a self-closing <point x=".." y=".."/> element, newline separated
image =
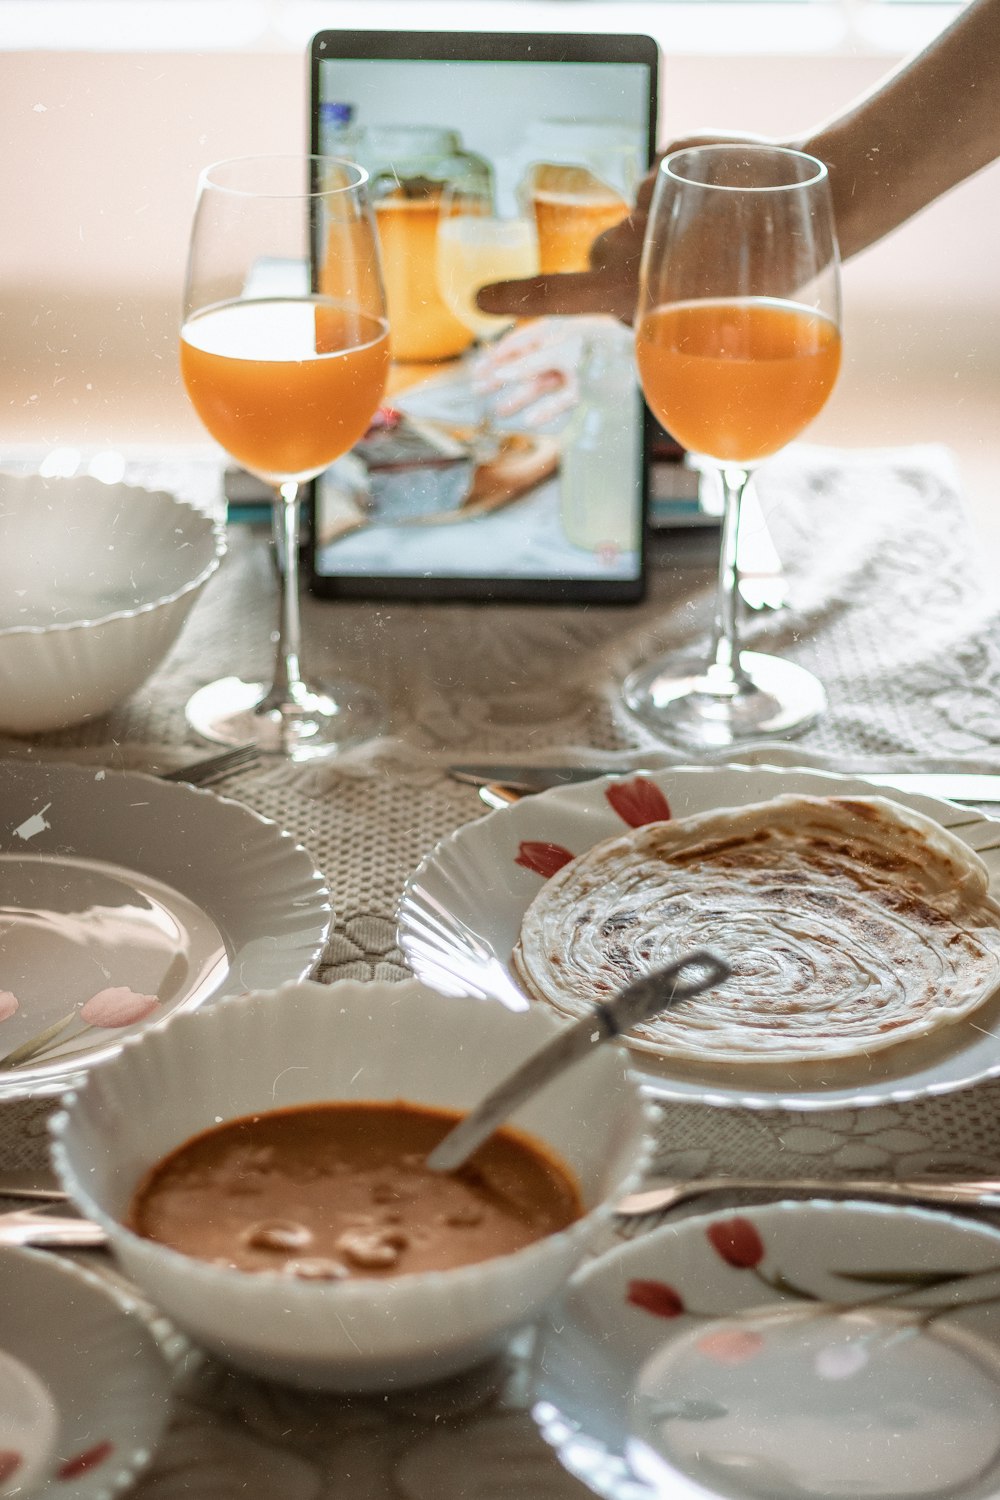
<point x="284" y="384"/>
<point x="415" y="171"/>
<point x="572" y="207"/>
<point x="737" y="379"/>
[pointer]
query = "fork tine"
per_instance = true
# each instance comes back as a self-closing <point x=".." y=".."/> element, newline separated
<point x="215" y="767"/>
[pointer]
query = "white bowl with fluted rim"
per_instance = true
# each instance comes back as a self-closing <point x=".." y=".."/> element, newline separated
<point x="96" y="581"/>
<point x="310" y="1042"/>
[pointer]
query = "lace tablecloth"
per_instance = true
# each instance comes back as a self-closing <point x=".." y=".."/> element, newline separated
<point x="888" y="605"/>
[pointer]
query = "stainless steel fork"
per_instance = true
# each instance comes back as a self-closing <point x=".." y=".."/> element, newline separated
<point x="215" y="767"/>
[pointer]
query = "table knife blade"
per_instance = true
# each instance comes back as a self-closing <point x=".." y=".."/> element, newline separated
<point x="528" y="778"/>
<point x="953" y="786"/>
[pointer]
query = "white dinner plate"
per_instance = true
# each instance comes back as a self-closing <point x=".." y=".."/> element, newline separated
<point x="147" y="888"/>
<point x="460" y="917"/>
<point x="788" y="1352"/>
<point x="108" y="1374"/>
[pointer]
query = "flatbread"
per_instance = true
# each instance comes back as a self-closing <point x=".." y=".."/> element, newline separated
<point x="851" y="924"/>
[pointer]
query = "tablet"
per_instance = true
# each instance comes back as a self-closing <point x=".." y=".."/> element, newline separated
<point x="508" y="459"/>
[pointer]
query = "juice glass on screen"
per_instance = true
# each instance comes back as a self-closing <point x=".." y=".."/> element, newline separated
<point x="284" y="353"/>
<point x="477" y="245"/>
<point x="475" y="249"/>
<point x="738" y="347"/>
<point x="572" y="207"/>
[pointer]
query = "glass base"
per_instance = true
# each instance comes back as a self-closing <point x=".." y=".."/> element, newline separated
<point x="690" y="705"/>
<point x="322" y="722"/>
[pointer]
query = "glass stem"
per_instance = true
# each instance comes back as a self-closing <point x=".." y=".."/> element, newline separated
<point x="486" y="436"/>
<point x="724" y="662"/>
<point x="287" y="687"/>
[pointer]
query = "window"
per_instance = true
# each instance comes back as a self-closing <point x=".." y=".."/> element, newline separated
<point x="696" y="26"/>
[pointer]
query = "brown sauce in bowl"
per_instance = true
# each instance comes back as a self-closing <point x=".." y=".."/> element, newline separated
<point x="327" y="1191"/>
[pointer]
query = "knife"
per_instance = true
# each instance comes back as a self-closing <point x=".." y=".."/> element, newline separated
<point x="953" y="786"/>
<point x="31" y="1226"/>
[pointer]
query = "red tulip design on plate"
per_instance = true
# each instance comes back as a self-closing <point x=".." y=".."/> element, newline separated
<point x="655" y="1297"/>
<point x="638" y="802"/>
<point x="735" y="1239"/>
<point x="738" y="1242"/>
<point x="544" y="859"/>
<point x="108" y="1009"/>
<point x="119" y="1006"/>
<point x="10" y="1461"/>
<point x="82" y="1463"/>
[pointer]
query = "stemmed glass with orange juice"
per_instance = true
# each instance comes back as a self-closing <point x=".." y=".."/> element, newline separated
<point x="475" y="248"/>
<point x="738" y="347"/>
<point x="477" y="245"/>
<point x="285" y="353"/>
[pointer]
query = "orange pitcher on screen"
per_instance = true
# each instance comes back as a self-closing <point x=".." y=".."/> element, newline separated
<point x="414" y="169"/>
<point x="422" y="326"/>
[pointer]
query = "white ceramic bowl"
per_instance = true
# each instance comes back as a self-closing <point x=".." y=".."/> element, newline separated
<point x="96" y="581"/>
<point x="308" y="1042"/>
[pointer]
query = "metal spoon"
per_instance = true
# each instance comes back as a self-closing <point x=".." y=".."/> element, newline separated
<point x="637" y="1002"/>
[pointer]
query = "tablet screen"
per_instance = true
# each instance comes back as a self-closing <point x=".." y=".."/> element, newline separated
<point x="507" y="459"/>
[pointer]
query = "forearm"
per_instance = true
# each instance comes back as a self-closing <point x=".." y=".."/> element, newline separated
<point x="924" y="129"/>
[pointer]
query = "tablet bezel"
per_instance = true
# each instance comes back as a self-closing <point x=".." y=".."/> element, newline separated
<point x="547" y="47"/>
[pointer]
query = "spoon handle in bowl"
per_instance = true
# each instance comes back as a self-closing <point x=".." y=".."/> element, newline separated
<point x="639" y="1001"/>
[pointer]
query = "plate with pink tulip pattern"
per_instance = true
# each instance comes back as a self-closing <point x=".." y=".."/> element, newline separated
<point x="787" y="1352"/>
<point x="460" y="918"/>
<point x="103" y="1362"/>
<point x="124" y="899"/>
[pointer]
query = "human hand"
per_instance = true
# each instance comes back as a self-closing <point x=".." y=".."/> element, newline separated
<point x="611" y="285"/>
<point x="531" y="373"/>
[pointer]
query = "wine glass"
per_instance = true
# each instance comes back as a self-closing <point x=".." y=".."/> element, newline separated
<point x="738" y="347"/>
<point x="474" y="249"/>
<point x="477" y="246"/>
<point x="284" y="352"/>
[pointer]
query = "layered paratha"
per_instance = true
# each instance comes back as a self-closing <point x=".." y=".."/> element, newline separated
<point x="850" y="924"/>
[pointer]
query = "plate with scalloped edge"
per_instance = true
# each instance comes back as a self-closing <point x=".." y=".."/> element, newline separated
<point x="781" y="1352"/>
<point x="460" y="917"/>
<point x="125" y="899"/>
<point x="107" y="1365"/>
